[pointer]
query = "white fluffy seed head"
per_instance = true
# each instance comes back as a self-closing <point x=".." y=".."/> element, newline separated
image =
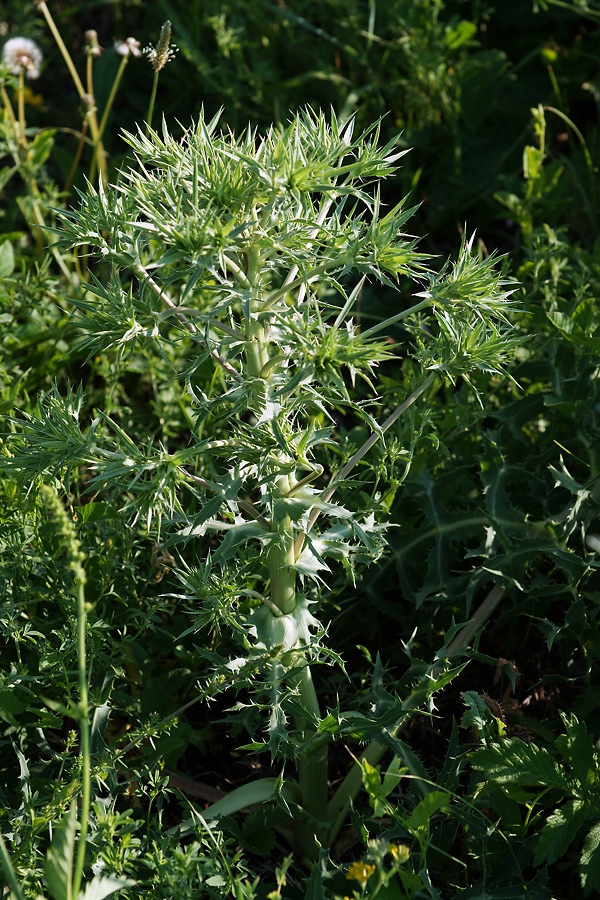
<point x="21" y="53"/>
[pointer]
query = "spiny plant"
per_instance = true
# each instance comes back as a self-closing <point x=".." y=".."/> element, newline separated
<point x="246" y="256"/>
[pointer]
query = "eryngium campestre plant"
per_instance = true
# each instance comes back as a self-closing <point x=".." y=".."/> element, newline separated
<point x="249" y="254"/>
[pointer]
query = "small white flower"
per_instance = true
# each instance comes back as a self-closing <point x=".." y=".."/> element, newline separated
<point x="22" y="53"/>
<point x="128" y="47"/>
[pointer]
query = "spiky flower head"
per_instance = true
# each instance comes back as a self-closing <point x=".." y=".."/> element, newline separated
<point x="128" y="47"/>
<point x="164" y="51"/>
<point x="21" y="53"/>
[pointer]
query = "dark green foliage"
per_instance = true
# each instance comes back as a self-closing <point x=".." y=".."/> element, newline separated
<point x="492" y="485"/>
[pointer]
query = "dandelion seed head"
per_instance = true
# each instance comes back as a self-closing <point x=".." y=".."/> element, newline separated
<point x="21" y="53"/>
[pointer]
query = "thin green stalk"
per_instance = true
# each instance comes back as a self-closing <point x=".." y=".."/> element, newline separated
<point x="151" y="104"/>
<point x="397" y="318"/>
<point x="587" y="157"/>
<point x="84" y="729"/>
<point x="75" y="562"/>
<point x="22" y="151"/>
<point x="145" y="276"/>
<point x="21" y="108"/>
<point x="109" y="104"/>
<point x="77" y="157"/>
<point x="338" y="806"/>
<point x="277" y="294"/>
<point x="112" y="95"/>
<point x="345" y="470"/>
<point x="88" y="99"/>
<point x="18" y="128"/>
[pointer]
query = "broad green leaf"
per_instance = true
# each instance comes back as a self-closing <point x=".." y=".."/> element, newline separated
<point x="577" y="749"/>
<point x="461" y="33"/>
<point x="95" y="511"/>
<point x="371" y="776"/>
<point x="103" y="886"/>
<point x="533" y="160"/>
<point x="426" y="809"/>
<point x="58" y="865"/>
<point x="476" y="715"/>
<point x="514" y="761"/>
<point x="559" y="831"/>
<point x="41" y="147"/>
<point x="7" y="259"/>
<point x="411" y="882"/>
<point x="589" y="867"/>
<point x="10" y="706"/>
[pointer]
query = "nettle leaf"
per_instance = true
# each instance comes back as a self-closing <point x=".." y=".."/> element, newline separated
<point x="559" y="831"/>
<point x="578" y="750"/>
<point x="477" y="715"/>
<point x="589" y="866"/>
<point x="58" y="865"/>
<point x="513" y="761"/>
<point x="258" y="829"/>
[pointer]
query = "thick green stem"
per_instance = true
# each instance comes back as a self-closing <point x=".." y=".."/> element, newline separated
<point x="281" y="561"/>
<point x="312" y="765"/>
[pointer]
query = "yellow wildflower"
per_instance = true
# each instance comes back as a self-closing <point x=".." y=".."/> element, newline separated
<point x="400" y="852"/>
<point x="360" y="871"/>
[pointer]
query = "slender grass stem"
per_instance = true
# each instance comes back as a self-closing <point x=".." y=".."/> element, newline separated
<point x="352" y="783"/>
<point x="77" y="157"/>
<point x="112" y="95"/>
<point x="21" y="108"/>
<point x="88" y="99"/>
<point x="591" y="207"/>
<point x="84" y="727"/>
<point x="150" y="112"/>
